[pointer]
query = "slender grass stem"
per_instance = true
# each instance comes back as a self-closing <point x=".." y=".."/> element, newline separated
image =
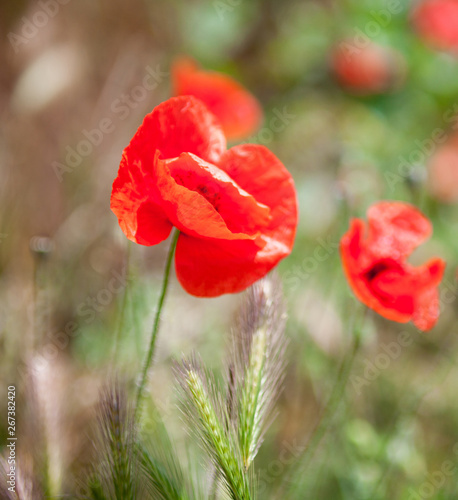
<point x="330" y="409"/>
<point x="152" y="344"/>
<point x="411" y="409"/>
<point x="122" y="311"/>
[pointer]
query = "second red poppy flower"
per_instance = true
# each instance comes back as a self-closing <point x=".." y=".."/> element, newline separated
<point x="375" y="262"/>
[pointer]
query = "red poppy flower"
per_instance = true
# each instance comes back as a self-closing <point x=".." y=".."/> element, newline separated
<point x="238" y="111"/>
<point x="374" y="260"/>
<point x="436" y="21"/>
<point x="236" y="209"/>
<point x="372" y="69"/>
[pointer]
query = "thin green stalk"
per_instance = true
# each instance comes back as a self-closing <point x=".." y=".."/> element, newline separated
<point x="122" y="311"/>
<point x="330" y="409"/>
<point x="152" y="344"/>
<point x="412" y="409"/>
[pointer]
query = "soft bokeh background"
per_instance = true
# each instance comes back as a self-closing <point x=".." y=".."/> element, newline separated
<point x="63" y="256"/>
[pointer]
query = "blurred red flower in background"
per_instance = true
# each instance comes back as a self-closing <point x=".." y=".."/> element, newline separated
<point x="370" y="69"/>
<point x="236" y="209"/>
<point x="238" y="111"/>
<point x="436" y="21"/>
<point x="375" y="262"/>
<point x="443" y="171"/>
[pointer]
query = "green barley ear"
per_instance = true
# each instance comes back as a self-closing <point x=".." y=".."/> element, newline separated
<point x="206" y="416"/>
<point x="256" y="367"/>
<point x="116" y="468"/>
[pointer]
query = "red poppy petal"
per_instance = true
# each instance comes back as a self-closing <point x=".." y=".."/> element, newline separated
<point x="209" y="268"/>
<point x="261" y="173"/>
<point x="410" y="280"/>
<point x="427" y="307"/>
<point x="188" y="209"/>
<point x="427" y="310"/>
<point x="395" y="290"/>
<point x="396" y="229"/>
<point x="180" y="124"/>
<point x="417" y="287"/>
<point x="351" y="244"/>
<point x="356" y="262"/>
<point x="134" y="202"/>
<point x="238" y="111"/>
<point x="240" y="211"/>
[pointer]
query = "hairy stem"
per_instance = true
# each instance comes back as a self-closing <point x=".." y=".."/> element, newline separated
<point x="123" y="307"/>
<point x="152" y="344"/>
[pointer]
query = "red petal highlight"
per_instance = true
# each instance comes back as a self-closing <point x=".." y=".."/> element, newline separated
<point x="261" y="173"/>
<point x="396" y="229"/>
<point x="238" y="111"/>
<point x="240" y="211"/>
<point x="186" y="208"/>
<point x="180" y="124"/>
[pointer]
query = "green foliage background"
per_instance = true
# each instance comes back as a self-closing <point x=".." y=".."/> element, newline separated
<point x="388" y="435"/>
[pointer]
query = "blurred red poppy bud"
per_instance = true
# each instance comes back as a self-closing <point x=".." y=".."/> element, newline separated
<point x="237" y="110"/>
<point x="367" y="69"/>
<point x="436" y="22"/>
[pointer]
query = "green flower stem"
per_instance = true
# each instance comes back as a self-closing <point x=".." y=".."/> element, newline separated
<point x="123" y="307"/>
<point x="152" y="345"/>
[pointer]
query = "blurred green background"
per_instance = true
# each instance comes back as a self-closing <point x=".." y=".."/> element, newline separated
<point x="70" y="67"/>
